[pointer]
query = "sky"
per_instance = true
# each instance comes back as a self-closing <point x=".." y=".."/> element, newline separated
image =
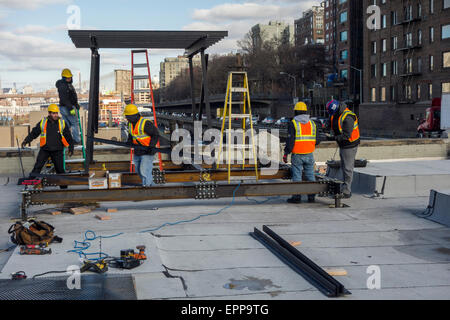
<point x="35" y="46"/>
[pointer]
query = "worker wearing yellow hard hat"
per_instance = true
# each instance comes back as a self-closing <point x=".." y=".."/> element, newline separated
<point x="68" y="102"/>
<point x="54" y="135"/>
<point x="142" y="132"/>
<point x="302" y="132"/>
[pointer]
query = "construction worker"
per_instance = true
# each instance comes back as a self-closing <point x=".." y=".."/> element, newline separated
<point x="301" y="143"/>
<point x="68" y="102"/>
<point x="54" y="137"/>
<point x="344" y="127"/>
<point x="142" y="132"/>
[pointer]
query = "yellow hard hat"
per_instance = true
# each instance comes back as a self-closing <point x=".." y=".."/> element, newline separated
<point x="53" y="108"/>
<point x="130" y="110"/>
<point x="66" y="73"/>
<point x="300" y="106"/>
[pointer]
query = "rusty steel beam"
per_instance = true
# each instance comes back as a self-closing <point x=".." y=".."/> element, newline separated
<point x="124" y="166"/>
<point x="191" y="191"/>
<point x="169" y="177"/>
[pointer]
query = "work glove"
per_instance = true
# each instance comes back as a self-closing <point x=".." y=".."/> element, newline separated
<point x="339" y="138"/>
<point x="72" y="112"/>
<point x="285" y="158"/>
<point x="329" y="137"/>
<point x="152" y="151"/>
<point x="71" y="150"/>
<point x="23" y="144"/>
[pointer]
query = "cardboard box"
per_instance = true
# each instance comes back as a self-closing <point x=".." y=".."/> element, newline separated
<point x="115" y="180"/>
<point x="98" y="180"/>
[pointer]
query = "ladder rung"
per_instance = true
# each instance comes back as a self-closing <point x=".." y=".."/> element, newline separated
<point x="239" y="146"/>
<point x="140" y="65"/>
<point x="141" y="90"/>
<point x="140" y="77"/>
<point x="74" y="160"/>
<point x="237" y="89"/>
<point x="239" y="116"/>
<point x="238" y="72"/>
<point x="237" y="102"/>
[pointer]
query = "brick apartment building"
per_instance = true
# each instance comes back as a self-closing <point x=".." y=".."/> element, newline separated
<point x="309" y="29"/>
<point x="343" y="21"/>
<point x="406" y="64"/>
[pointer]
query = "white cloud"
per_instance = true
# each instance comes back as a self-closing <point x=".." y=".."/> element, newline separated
<point x="34" y="29"/>
<point x="29" y="4"/>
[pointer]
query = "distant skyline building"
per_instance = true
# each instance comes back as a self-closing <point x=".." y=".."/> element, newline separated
<point x="273" y="31"/>
<point x="170" y="68"/>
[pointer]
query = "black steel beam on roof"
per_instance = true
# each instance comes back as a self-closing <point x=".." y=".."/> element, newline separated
<point x="128" y="39"/>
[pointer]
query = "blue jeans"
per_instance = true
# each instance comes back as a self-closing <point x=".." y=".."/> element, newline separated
<point x="144" y="167"/>
<point x="72" y="122"/>
<point x="302" y="162"/>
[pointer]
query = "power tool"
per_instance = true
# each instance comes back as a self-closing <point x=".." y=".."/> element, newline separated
<point x="96" y="266"/>
<point x="20" y="275"/>
<point x="34" y="250"/>
<point x="129" y="259"/>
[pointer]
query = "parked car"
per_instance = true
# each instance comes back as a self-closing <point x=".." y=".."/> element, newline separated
<point x="254" y="120"/>
<point x="282" y="121"/>
<point x="268" y="120"/>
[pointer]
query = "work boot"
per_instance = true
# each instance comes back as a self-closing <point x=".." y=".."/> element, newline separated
<point x="347" y="195"/>
<point x="295" y="199"/>
<point x="311" y="198"/>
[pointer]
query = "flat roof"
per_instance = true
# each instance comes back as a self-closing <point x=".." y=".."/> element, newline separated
<point x="141" y="39"/>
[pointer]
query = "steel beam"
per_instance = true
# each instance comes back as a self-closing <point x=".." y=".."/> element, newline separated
<point x="300" y="263"/>
<point x="191" y="191"/>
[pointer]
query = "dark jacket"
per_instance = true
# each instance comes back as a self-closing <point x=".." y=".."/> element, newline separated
<point x="67" y="94"/>
<point x="290" y="142"/>
<point x="347" y="129"/>
<point x="150" y="130"/>
<point x="54" y="142"/>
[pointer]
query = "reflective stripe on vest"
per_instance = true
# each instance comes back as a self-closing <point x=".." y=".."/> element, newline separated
<point x="305" y="137"/>
<point x="61" y="125"/>
<point x="138" y="134"/>
<point x="355" y="133"/>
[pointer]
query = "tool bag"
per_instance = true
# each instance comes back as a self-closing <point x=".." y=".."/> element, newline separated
<point x="33" y="232"/>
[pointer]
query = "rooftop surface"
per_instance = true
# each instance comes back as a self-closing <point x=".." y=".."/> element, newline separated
<point x="215" y="258"/>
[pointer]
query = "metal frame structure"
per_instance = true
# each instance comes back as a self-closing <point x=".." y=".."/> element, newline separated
<point x="192" y="41"/>
<point x="300" y="263"/>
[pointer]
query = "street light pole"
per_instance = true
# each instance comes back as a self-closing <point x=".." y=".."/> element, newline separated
<point x="294" y="96"/>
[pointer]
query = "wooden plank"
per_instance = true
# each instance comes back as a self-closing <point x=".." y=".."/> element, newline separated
<point x="80" y="210"/>
<point x="336" y="272"/>
<point x="103" y="217"/>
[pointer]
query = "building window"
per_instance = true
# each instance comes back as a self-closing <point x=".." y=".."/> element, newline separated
<point x="430" y="91"/>
<point x="373" y="71"/>
<point x="344" y="54"/>
<point x="374" y="47"/>
<point x="446" y="59"/>
<point x="394" y="18"/>
<point x="407" y="13"/>
<point x="446" y="4"/>
<point x="419" y="10"/>
<point x="344" y="74"/>
<point x="392" y="93"/>
<point x="394" y="44"/>
<point x="383" y="94"/>
<point x="431" y="6"/>
<point x="343" y="17"/>
<point x="383" y="21"/>
<point x="446" y="87"/>
<point x="383" y="45"/>
<point x="407" y="65"/>
<point x="446" y="31"/>
<point x="419" y="65"/>
<point x="431" y="34"/>
<point x="408" y="39"/>
<point x="383" y="1"/>
<point x="344" y="36"/>
<point x="394" y="67"/>
<point x="419" y="37"/>
<point x="342" y="1"/>
<point x="431" y="63"/>
<point x="408" y="92"/>
<point x="373" y="95"/>
<point x="384" y="69"/>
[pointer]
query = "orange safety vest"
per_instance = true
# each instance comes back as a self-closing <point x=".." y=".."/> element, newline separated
<point x="138" y="134"/>
<point x="61" y="125"/>
<point x="355" y="133"/>
<point x="305" y="137"/>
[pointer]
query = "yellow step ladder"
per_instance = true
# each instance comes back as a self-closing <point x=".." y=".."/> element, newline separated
<point x="241" y="95"/>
